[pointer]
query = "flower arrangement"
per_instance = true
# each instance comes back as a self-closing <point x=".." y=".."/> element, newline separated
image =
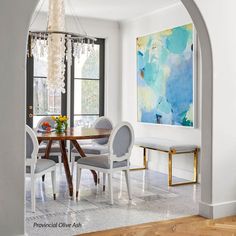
<point x="61" y="123"/>
<point x="46" y="126"/>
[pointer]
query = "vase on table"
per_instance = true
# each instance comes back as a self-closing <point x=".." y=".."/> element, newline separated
<point x="61" y="123"/>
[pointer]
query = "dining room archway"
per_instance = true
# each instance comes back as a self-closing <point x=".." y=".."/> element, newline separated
<point x="12" y="204"/>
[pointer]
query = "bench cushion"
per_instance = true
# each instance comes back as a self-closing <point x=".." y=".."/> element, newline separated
<point x="164" y="144"/>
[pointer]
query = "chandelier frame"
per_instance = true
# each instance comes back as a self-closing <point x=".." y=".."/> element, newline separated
<point x="73" y="37"/>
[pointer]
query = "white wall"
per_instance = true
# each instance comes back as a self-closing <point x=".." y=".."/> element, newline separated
<point x="220" y="17"/>
<point x="111" y="32"/>
<point x="166" y="18"/>
<point x="14" y="21"/>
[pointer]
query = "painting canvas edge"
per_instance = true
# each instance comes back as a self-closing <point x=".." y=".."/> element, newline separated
<point x="194" y="78"/>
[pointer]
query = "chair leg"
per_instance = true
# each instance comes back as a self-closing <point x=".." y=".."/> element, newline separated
<point x="104" y="181"/>
<point x="128" y="184"/>
<point x="110" y="179"/>
<point x="53" y="175"/>
<point x="33" y="194"/>
<point x="43" y="176"/>
<point x="98" y="177"/>
<point x="60" y="162"/>
<point x="79" y="170"/>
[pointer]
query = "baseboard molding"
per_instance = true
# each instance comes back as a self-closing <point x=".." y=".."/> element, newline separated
<point x="217" y="210"/>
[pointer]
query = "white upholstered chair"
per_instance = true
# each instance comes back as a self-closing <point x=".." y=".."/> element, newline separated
<point x="55" y="148"/>
<point x="97" y="146"/>
<point x="120" y="145"/>
<point x="37" y="167"/>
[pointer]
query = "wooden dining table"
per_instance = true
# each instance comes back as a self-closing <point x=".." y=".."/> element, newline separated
<point x="73" y="135"/>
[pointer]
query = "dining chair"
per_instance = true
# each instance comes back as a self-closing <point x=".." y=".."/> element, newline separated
<point x="120" y="145"/>
<point x="96" y="146"/>
<point x="37" y="167"/>
<point x="55" y="148"/>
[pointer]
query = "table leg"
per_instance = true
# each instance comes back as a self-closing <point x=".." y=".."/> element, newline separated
<point x="47" y="154"/>
<point x="66" y="166"/>
<point x="82" y="154"/>
<point x="48" y="149"/>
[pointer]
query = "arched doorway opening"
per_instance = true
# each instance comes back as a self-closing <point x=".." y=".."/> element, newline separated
<point x="206" y="134"/>
<point x="206" y="106"/>
<point x="12" y="205"/>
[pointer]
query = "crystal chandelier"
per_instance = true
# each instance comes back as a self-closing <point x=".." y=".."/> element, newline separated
<point x="58" y="44"/>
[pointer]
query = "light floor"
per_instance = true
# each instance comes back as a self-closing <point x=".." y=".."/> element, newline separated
<point x="152" y="201"/>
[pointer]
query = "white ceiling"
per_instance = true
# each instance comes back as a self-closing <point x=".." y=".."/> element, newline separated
<point x="117" y="10"/>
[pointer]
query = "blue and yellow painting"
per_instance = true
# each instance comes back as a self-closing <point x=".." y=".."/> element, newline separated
<point x="165" y="77"/>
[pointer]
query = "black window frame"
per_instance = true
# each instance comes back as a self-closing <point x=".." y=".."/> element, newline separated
<point x="30" y="89"/>
<point x="30" y="84"/>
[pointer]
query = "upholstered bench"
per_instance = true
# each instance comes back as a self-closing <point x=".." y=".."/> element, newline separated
<point x="172" y="148"/>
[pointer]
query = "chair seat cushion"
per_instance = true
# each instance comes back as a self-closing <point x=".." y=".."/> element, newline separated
<point x="164" y="144"/>
<point x="85" y="142"/>
<point x="41" y="165"/>
<point x="94" y="149"/>
<point x="100" y="161"/>
<point x="55" y="148"/>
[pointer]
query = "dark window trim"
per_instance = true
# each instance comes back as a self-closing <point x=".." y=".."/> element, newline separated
<point x="29" y="90"/>
<point x="40" y="77"/>
<point x="72" y="85"/>
<point x="64" y="95"/>
<point x="102" y="77"/>
<point x="86" y="79"/>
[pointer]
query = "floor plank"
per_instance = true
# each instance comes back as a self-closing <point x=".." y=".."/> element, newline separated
<point x="187" y="226"/>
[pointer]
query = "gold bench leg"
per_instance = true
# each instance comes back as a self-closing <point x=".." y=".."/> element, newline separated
<point x="144" y="161"/>
<point x="145" y="158"/>
<point x="170" y="169"/>
<point x="195" y="177"/>
<point x="195" y="170"/>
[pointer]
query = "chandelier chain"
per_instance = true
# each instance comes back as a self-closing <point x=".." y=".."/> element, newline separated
<point x="37" y="11"/>
<point x="76" y="19"/>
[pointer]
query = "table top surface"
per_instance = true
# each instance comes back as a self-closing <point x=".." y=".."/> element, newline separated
<point x="74" y="134"/>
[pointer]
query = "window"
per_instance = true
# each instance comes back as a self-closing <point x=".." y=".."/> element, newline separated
<point x="43" y="101"/>
<point x="88" y="86"/>
<point x="87" y="89"/>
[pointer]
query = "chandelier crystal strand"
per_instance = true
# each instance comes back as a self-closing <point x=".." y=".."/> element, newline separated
<point x="78" y="45"/>
<point x="56" y="46"/>
<point x="59" y="45"/>
<point x="69" y="53"/>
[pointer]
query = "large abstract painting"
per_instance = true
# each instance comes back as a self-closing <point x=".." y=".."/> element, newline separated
<point x="165" y="77"/>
